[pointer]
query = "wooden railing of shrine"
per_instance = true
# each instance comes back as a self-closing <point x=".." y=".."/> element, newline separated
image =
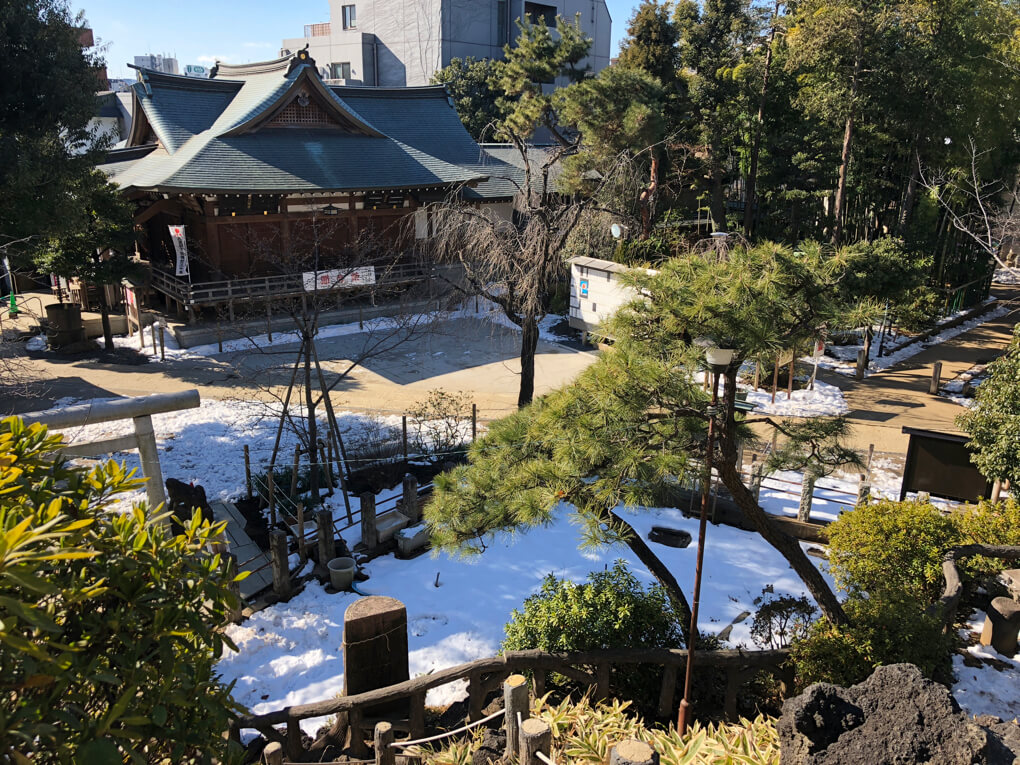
<point x="485" y="676"/>
<point x="278" y="285"/>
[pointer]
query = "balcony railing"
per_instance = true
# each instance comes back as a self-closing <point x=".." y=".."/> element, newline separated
<point x="278" y="285"/>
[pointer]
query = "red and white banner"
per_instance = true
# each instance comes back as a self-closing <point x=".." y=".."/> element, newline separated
<point x="321" y="281"/>
<point x="181" y="248"/>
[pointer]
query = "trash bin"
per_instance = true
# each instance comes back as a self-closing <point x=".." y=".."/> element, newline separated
<point x="341" y="573"/>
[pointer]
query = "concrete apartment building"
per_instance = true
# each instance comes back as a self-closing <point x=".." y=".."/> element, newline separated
<point x="396" y="43"/>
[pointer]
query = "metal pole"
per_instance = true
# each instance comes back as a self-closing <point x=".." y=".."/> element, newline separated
<point x="685" y="703"/>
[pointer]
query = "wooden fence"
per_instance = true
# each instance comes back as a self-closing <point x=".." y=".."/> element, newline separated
<point x="485" y="676"/>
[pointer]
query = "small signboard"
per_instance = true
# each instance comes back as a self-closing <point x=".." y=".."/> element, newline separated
<point x="584" y="288"/>
<point x="343" y="278"/>
<point x="819" y="349"/>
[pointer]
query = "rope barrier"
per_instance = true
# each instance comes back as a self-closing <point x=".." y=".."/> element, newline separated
<point x="448" y="734"/>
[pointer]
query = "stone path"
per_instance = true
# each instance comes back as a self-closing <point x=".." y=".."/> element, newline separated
<point x="249" y="556"/>
<point x="885" y="402"/>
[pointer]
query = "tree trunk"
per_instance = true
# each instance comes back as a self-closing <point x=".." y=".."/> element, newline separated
<point x="662" y="574"/>
<point x="909" y="198"/>
<point x="752" y="172"/>
<point x="647" y="199"/>
<point x="104" y="313"/>
<point x="718" y="204"/>
<point x="313" y="430"/>
<point x="869" y="334"/>
<point x="789" y="547"/>
<point x="529" y="346"/>
<point x="844" y="158"/>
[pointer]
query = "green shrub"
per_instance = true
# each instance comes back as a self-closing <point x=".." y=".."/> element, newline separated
<point x="108" y="623"/>
<point x="883" y="630"/>
<point x="610" y="610"/>
<point x="894" y="547"/>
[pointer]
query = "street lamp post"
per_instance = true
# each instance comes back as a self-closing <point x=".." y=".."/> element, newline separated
<point x="718" y="360"/>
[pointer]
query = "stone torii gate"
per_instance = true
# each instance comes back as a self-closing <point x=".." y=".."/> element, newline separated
<point x="140" y="410"/>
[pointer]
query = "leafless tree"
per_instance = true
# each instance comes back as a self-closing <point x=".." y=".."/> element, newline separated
<point x="985" y="211"/>
<point x="516" y="260"/>
<point x="327" y="271"/>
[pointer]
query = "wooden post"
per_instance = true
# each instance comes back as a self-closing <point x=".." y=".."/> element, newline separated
<point x="356" y="724"/>
<point x="278" y="553"/>
<point x="871" y="456"/>
<point x="162" y="341"/>
<point x="247" y="471"/>
<point x="757" y="374"/>
<point x="789" y="383"/>
<point x="269" y="322"/>
<point x="416" y="715"/>
<point x="476" y="696"/>
<point x="807" y="494"/>
<point x="536" y="737"/>
<point x="234" y="614"/>
<point x="384" y="754"/>
<point x="294" y="748"/>
<point x="273" y="753"/>
<point x="515" y="702"/>
<point x="148" y="454"/>
<point x="324" y="520"/>
<point x="602" y="677"/>
<point x="404" y="428"/>
<point x="863" y="493"/>
<point x="775" y="380"/>
<point x="152" y="330"/>
<point x="633" y="752"/>
<point x="369" y="534"/>
<point x="474" y="422"/>
<point x="302" y="545"/>
<point x="410" y="499"/>
<point x="936" y="375"/>
<point x="667" y="691"/>
<point x="361" y="317"/>
<point x="862" y="364"/>
<point x="757" y="476"/>
<point x="219" y="334"/>
<point x="294" y="471"/>
<point x="328" y="471"/>
<point x="272" y="497"/>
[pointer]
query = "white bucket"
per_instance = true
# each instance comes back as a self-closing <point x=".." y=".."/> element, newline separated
<point x="341" y="573"/>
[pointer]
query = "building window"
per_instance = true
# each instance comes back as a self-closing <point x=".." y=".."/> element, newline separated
<point x="349" y="17"/>
<point x="341" y="71"/>
<point x="539" y="13"/>
<point x="502" y="25"/>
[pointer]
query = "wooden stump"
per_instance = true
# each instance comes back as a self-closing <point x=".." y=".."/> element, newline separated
<point x="384" y="754"/>
<point x="515" y="702"/>
<point x="535" y="738"/>
<point x="633" y="752"/>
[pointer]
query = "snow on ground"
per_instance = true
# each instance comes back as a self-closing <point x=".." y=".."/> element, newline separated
<point x="991" y="688"/>
<point x="290" y="652"/>
<point x="824" y="401"/>
<point x="486" y="310"/>
<point x="844" y="360"/>
<point x="1006" y="276"/>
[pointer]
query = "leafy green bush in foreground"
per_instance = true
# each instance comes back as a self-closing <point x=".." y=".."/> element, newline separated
<point x="108" y="622"/>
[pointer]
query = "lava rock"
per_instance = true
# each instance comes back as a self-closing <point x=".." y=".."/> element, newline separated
<point x="492" y="748"/>
<point x="669" y="537"/>
<point x="896" y="716"/>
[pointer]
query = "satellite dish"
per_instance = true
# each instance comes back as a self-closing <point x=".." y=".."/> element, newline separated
<point x="616" y="230"/>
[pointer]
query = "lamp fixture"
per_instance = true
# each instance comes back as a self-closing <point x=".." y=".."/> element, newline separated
<point x="330" y="210"/>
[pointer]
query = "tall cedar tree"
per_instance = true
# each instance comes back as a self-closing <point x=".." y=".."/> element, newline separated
<point x="469" y="82"/>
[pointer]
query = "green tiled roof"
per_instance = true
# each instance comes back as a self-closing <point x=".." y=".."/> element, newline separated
<point x="213" y="139"/>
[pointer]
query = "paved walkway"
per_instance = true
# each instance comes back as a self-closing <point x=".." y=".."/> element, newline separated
<point x="885" y="402"/>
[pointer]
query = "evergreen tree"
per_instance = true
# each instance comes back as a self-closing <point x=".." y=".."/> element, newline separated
<point x="651" y="42"/>
<point x="632" y="427"/>
<point x="994" y="421"/>
<point x="97" y="243"/>
<point x="46" y="104"/>
<point x="469" y="81"/>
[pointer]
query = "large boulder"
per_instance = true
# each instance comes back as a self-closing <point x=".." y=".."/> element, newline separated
<point x="895" y="717"/>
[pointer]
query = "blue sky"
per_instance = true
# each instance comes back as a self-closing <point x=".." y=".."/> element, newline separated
<point x="233" y="30"/>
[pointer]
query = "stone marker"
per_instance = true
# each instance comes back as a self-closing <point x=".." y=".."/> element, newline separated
<point x="375" y="648"/>
<point x="1002" y="625"/>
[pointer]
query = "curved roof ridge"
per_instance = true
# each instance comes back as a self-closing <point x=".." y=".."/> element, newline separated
<point x="282" y="65"/>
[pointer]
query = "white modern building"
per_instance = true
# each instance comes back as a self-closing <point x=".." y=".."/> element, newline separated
<point x="596" y="292"/>
<point x="164" y="64"/>
<point x="396" y="43"/>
